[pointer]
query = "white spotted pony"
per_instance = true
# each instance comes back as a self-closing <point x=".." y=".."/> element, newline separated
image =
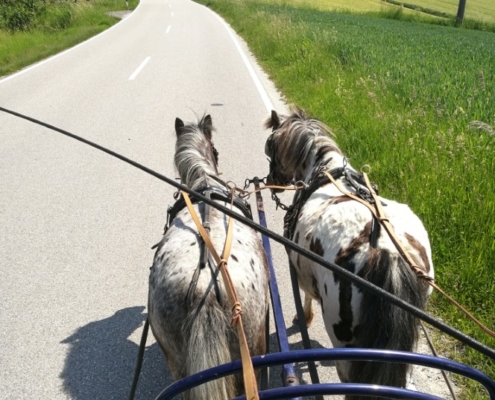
<point x="189" y="312"/>
<point x="343" y="231"/>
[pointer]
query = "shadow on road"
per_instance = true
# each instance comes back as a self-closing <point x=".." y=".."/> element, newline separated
<point x="100" y="361"/>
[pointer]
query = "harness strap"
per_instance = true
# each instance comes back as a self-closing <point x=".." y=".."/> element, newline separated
<point x="205" y="255"/>
<point x="250" y="385"/>
<point x="203" y="258"/>
<point x="215" y="193"/>
<point x="379" y="214"/>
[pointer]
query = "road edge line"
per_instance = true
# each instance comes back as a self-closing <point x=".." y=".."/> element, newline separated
<point x="254" y="76"/>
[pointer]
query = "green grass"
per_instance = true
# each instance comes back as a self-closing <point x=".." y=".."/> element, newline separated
<point x="402" y="97"/>
<point x="63" y="25"/>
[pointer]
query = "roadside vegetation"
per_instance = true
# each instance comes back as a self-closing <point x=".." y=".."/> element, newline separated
<point x="31" y="30"/>
<point x="414" y="100"/>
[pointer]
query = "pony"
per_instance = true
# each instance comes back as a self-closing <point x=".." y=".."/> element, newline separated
<point x="189" y="312"/>
<point x="344" y="231"/>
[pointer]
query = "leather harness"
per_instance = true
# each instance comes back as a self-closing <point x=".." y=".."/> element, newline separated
<point x="213" y="193"/>
<point x="319" y="179"/>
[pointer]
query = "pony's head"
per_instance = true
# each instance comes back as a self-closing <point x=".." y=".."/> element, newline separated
<point x="295" y="145"/>
<point x="278" y="175"/>
<point x="195" y="155"/>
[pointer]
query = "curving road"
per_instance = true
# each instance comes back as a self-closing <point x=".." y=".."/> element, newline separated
<point x="77" y="224"/>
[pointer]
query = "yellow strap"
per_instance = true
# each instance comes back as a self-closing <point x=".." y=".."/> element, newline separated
<point x="250" y="384"/>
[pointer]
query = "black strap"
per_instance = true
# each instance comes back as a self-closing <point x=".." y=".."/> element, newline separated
<point x="139" y="361"/>
<point x="319" y="179"/>
<point x="215" y="194"/>
<point x="205" y="252"/>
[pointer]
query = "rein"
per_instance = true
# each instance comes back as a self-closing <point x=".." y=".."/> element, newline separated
<point x="250" y="384"/>
<point x="366" y="194"/>
<point x="376" y="209"/>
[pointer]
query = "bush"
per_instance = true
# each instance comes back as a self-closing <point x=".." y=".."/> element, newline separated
<point x="20" y="15"/>
<point x="58" y="18"/>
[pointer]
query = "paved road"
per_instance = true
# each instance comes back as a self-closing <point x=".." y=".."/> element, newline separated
<point x="77" y="225"/>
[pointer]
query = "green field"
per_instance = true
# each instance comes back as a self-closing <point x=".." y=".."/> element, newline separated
<point x="416" y="101"/>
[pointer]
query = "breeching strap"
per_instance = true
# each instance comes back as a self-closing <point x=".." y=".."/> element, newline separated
<point x="379" y="214"/>
<point x="250" y="385"/>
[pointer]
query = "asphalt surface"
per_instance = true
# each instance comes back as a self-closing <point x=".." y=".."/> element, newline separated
<point x="77" y="225"/>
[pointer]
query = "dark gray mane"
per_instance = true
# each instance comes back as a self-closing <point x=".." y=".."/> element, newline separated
<point x="301" y="141"/>
<point x="194" y="159"/>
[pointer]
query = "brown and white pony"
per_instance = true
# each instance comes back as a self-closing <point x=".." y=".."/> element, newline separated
<point x="189" y="312"/>
<point x="341" y="230"/>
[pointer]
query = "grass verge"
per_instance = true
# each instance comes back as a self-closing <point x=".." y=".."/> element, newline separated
<point x="415" y="101"/>
<point x="60" y="26"/>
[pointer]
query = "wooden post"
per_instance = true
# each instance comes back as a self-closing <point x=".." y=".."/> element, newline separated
<point x="460" y="12"/>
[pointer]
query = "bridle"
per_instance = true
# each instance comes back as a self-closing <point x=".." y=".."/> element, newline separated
<point x="275" y="164"/>
<point x="214" y="151"/>
<point x="319" y="178"/>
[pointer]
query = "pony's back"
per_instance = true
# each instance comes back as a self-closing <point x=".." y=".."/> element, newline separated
<point x="189" y="312"/>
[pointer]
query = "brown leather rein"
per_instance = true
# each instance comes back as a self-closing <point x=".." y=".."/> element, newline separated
<point x="378" y="212"/>
<point x="250" y="384"/>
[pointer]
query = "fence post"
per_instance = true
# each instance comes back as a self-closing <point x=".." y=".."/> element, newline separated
<point x="460" y="12"/>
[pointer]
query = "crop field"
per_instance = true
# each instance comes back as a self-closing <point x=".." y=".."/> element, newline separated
<point x="342" y="5"/>
<point x="478" y="10"/>
<point x="416" y="102"/>
<point x="482" y="10"/>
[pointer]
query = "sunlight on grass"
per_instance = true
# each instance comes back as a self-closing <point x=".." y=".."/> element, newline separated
<point x="357" y="6"/>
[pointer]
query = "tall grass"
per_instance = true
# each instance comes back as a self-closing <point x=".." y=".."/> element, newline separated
<point x="409" y="99"/>
<point x="58" y="26"/>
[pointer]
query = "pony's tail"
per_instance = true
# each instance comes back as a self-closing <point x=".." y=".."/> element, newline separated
<point x="208" y="346"/>
<point x="383" y="325"/>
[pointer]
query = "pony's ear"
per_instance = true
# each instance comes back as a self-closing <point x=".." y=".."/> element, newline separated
<point x="273" y="122"/>
<point x="179" y="124"/>
<point x="208" y="125"/>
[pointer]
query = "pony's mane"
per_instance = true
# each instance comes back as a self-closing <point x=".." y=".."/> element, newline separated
<point x="298" y="135"/>
<point x="194" y="159"/>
